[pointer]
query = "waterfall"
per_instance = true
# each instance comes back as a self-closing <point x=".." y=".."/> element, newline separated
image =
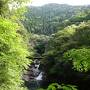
<point x="39" y="77"/>
<point x="33" y="78"/>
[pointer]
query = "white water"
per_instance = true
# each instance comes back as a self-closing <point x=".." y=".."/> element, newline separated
<point x="34" y="77"/>
<point x="39" y="77"/>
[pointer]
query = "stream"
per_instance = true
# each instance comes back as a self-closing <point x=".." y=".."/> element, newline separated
<point x="33" y="76"/>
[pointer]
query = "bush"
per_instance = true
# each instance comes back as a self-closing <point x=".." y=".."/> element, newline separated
<point x="13" y="53"/>
<point x="80" y="58"/>
<point x="56" y="86"/>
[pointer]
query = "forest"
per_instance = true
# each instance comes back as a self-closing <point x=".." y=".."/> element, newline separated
<point x="44" y="47"/>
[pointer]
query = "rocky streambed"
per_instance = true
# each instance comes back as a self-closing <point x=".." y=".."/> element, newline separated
<point x="33" y="76"/>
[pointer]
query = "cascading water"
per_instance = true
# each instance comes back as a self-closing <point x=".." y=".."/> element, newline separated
<point x="33" y="77"/>
<point x="39" y="77"/>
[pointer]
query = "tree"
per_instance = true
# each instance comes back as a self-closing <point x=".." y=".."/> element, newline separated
<point x="13" y="53"/>
<point x="66" y="59"/>
<point x="5" y="5"/>
<point x="80" y="59"/>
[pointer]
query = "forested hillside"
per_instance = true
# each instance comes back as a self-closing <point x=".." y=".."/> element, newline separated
<point x="45" y="47"/>
<point x="50" y="18"/>
<point x="67" y="49"/>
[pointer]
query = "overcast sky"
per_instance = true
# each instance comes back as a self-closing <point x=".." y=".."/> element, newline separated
<point x="70" y="2"/>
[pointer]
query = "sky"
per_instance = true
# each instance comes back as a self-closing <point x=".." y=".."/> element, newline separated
<point x="70" y="2"/>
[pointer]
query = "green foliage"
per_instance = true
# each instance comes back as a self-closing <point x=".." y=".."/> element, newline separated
<point x="71" y="37"/>
<point x="68" y="87"/>
<point x="38" y="42"/>
<point x="50" y="18"/>
<point x="56" y="86"/>
<point x="67" y="57"/>
<point x="46" y="19"/>
<point x="18" y="14"/>
<point x="5" y="6"/>
<point x="80" y="58"/>
<point x="13" y="53"/>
